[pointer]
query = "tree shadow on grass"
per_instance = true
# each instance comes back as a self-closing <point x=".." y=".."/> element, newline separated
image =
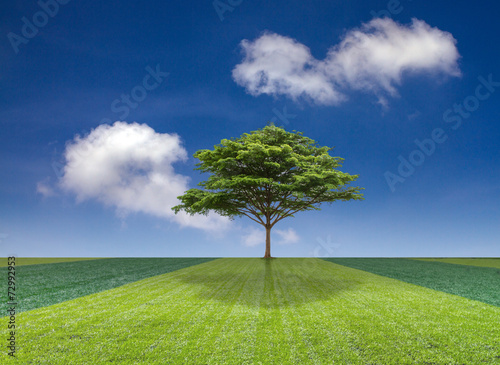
<point x="269" y="283"/>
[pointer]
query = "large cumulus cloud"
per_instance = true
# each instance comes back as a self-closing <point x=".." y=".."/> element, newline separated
<point x="130" y="167"/>
<point x="372" y="58"/>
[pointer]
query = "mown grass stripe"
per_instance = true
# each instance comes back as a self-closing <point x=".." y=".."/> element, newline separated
<point x="270" y="341"/>
<point x="197" y="317"/>
<point x="231" y="332"/>
<point x="301" y="351"/>
<point x="477" y="283"/>
<point x="338" y="338"/>
<point x="316" y="313"/>
<point x="203" y="317"/>
<point x="213" y="325"/>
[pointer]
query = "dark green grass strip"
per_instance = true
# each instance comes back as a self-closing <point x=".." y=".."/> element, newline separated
<point x="47" y="284"/>
<point x="477" y="283"/>
<point x="474" y="261"/>
<point x="44" y="260"/>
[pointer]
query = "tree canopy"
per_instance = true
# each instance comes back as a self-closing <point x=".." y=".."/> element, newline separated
<point x="267" y="175"/>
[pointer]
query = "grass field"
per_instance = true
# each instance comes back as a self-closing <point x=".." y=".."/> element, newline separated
<point x="20" y="261"/>
<point x="481" y="262"/>
<point x="42" y="285"/>
<point x="478" y="283"/>
<point x="253" y="311"/>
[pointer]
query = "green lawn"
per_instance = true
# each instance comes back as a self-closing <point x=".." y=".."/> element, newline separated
<point x="482" y="262"/>
<point x="252" y="311"/>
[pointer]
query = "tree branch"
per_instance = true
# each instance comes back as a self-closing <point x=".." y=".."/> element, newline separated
<point x="260" y="221"/>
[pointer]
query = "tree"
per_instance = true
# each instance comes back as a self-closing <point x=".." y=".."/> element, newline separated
<point x="267" y="175"/>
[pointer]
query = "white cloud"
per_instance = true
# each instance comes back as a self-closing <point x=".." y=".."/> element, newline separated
<point x="376" y="55"/>
<point x="275" y="64"/>
<point x="287" y="237"/>
<point x="129" y="167"/>
<point x="256" y="237"/>
<point x="372" y="58"/>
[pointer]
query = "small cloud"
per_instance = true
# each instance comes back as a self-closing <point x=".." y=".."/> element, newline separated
<point x="383" y="102"/>
<point x="43" y="187"/>
<point x="287" y="237"/>
<point x="414" y="115"/>
<point x="255" y="237"/>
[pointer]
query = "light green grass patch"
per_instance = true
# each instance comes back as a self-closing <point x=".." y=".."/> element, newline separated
<point x="255" y="311"/>
<point x="482" y="262"/>
<point x="43" y="260"/>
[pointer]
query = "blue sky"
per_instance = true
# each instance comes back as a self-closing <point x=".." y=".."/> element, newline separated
<point x="367" y="77"/>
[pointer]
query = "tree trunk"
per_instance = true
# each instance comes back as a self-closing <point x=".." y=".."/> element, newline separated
<point x="268" y="242"/>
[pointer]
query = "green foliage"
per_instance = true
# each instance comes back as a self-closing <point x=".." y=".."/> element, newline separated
<point x="267" y="175"/>
<point x="477" y="283"/>
<point x="254" y="311"/>
<point x="46" y="284"/>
